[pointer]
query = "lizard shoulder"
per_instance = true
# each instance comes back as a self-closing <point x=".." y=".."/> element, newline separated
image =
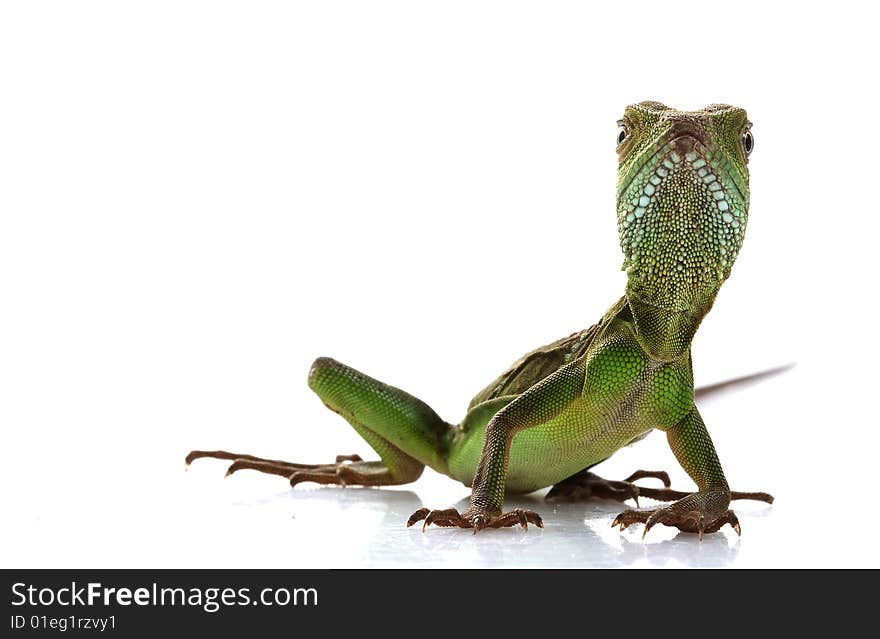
<point x="536" y="365"/>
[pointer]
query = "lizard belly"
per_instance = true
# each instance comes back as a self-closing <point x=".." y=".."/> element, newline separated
<point x="625" y="396"/>
<point x="581" y="436"/>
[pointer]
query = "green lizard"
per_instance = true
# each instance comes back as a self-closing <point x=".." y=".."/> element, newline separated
<point x="682" y="206"/>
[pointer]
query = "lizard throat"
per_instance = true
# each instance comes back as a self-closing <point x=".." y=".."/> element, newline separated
<point x="681" y="221"/>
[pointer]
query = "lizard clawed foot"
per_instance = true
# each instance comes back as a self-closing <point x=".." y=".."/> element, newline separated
<point x="346" y="470"/>
<point x="476" y="520"/>
<point x="586" y="485"/>
<point x="695" y="513"/>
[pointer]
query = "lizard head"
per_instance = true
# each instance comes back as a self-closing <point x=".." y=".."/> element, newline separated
<point x="682" y="201"/>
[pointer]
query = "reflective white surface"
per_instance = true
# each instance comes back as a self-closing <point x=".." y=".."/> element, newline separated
<point x="365" y="527"/>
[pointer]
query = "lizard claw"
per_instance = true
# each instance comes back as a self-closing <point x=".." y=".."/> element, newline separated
<point x="443" y="518"/>
<point x="476" y="521"/>
<point x="662" y="475"/>
<point x="735" y="525"/>
<point x="654" y="518"/>
<point x="629" y="517"/>
<point x="696" y="513"/>
<point x="417" y="516"/>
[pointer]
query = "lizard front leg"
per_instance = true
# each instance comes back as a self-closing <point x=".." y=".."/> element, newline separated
<point x="539" y="404"/>
<point x="701" y="512"/>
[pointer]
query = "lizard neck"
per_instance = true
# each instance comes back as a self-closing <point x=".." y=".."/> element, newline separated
<point x="666" y="333"/>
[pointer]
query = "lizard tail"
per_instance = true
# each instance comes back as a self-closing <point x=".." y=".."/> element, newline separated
<point x="706" y="391"/>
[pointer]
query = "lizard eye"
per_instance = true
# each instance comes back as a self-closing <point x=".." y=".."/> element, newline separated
<point x="622" y="133"/>
<point x="748" y="142"/>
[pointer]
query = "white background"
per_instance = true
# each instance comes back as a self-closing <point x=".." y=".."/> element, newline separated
<point x="198" y="199"/>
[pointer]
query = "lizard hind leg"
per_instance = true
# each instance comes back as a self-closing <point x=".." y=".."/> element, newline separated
<point x="586" y="485"/>
<point x="405" y="432"/>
